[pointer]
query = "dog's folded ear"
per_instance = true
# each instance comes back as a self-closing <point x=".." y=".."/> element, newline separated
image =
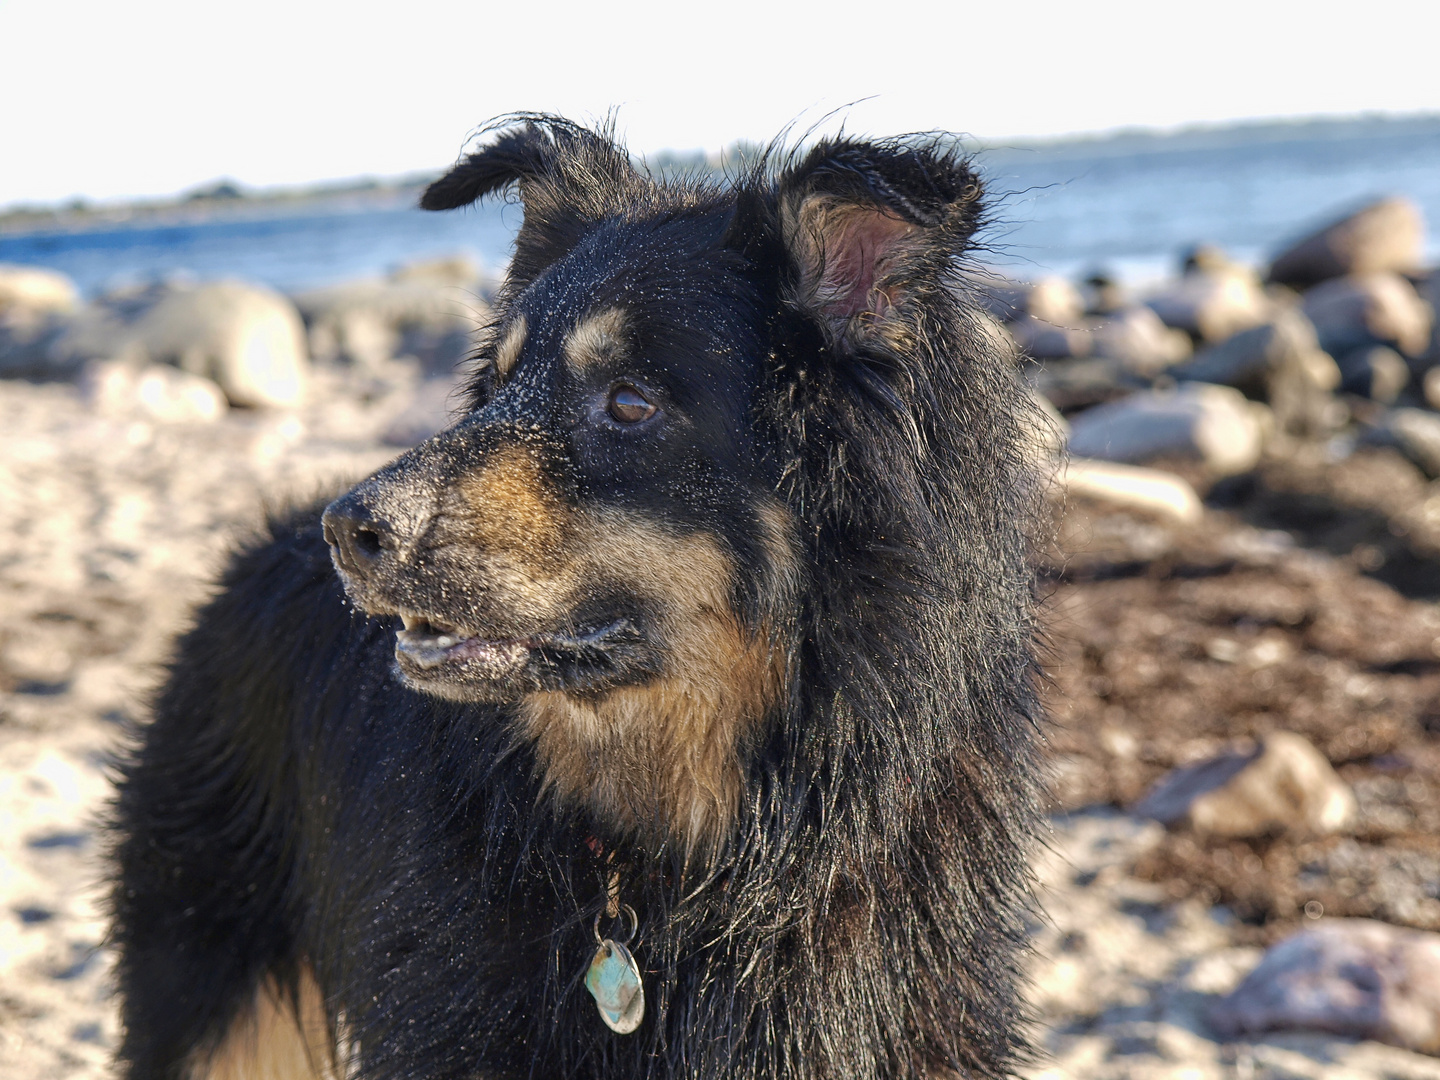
<point x="569" y="178"/>
<point x="870" y="226"/>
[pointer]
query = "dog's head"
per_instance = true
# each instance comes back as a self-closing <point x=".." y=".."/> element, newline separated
<point x="608" y="538"/>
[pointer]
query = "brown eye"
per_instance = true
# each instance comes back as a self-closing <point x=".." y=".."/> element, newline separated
<point x="629" y="406"/>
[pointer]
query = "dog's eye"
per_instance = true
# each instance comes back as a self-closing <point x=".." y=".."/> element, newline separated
<point x="628" y="406"/>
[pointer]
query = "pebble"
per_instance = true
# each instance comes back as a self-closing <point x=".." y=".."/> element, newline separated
<point x="1279" y="362"/>
<point x="1142" y="343"/>
<point x="1378" y="307"/>
<point x="1131" y="487"/>
<point x="425" y="310"/>
<point x="26" y="290"/>
<point x="1415" y="433"/>
<point x="1349" y="977"/>
<point x="247" y="338"/>
<point x="1212" y="304"/>
<point x="1282" y="785"/>
<point x="156" y="391"/>
<point x="1214" y="425"/>
<point x="1377" y="372"/>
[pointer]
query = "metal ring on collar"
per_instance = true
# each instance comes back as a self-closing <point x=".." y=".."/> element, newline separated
<point x="634" y="924"/>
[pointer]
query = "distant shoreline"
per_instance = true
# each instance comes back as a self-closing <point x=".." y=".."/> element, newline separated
<point x="221" y="199"/>
<point x="226" y="199"/>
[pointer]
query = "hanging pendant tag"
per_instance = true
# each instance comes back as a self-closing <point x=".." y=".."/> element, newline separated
<point x="614" y="978"/>
<point x="614" y="982"/>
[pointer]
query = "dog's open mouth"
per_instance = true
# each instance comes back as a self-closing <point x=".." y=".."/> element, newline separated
<point x="428" y="650"/>
<point x="428" y="645"/>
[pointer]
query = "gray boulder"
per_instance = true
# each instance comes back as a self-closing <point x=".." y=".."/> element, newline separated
<point x="1279" y="362"/>
<point x="429" y="311"/>
<point x="1387" y="235"/>
<point x="1350" y="977"/>
<point x="1213" y="425"/>
<point x="246" y="337"/>
<point x="1415" y="433"/>
<point x="1138" y="338"/>
<point x="27" y="291"/>
<point x="1043" y="340"/>
<point x="1375" y="308"/>
<point x="1056" y="301"/>
<point x="1431" y="387"/>
<point x="1282" y="785"/>
<point x="1430" y="292"/>
<point x="35" y="303"/>
<point x="1050" y="324"/>
<point x="1374" y="371"/>
<point x="1212" y="304"/>
<point x="155" y="392"/>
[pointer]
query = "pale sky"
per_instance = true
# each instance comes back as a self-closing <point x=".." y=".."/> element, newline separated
<point x="119" y="98"/>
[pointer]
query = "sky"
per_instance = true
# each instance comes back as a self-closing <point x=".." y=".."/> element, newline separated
<point x="108" y="100"/>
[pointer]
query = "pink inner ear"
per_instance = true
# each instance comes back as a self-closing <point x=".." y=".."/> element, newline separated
<point x="857" y="244"/>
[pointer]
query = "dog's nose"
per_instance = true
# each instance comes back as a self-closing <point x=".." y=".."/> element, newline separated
<point x="358" y="538"/>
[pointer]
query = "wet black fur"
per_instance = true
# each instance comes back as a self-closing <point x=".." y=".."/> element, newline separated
<point x="294" y="802"/>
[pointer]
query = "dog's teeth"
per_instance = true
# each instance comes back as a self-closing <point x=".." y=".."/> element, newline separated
<point x="445" y="641"/>
<point x="410" y="621"/>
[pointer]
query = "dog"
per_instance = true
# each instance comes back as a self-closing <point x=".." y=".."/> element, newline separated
<point x="673" y="713"/>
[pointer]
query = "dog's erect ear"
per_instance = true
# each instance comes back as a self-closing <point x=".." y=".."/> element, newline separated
<point x="569" y="177"/>
<point x="871" y="225"/>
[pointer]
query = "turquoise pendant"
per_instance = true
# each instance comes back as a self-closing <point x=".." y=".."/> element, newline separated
<point x="614" y="982"/>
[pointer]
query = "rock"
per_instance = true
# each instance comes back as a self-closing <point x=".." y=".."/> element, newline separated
<point x="1351" y="977"/>
<point x="1279" y="362"/>
<point x="1140" y="341"/>
<point x="1377" y="372"/>
<point x="1054" y="300"/>
<point x="155" y="391"/>
<point x="98" y="331"/>
<point x="35" y="290"/>
<point x="1386" y="235"/>
<point x="1102" y="294"/>
<point x="1368" y="309"/>
<point x="1283" y="785"/>
<point x="1213" y="304"/>
<point x="1212" y="424"/>
<point x="1131" y="487"/>
<point x="1052" y="323"/>
<point x="1209" y="258"/>
<point x="245" y="337"/>
<point x="34" y="304"/>
<point x="1082" y="382"/>
<point x="456" y="271"/>
<point x="1415" y="433"/>
<point x="1431" y="387"/>
<point x="417" y="312"/>
<point x="1429" y="290"/>
<point x="1045" y="341"/>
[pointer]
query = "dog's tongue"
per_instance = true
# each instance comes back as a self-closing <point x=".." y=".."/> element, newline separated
<point x="433" y="650"/>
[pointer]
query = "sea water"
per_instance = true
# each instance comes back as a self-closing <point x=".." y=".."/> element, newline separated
<point x="1128" y="204"/>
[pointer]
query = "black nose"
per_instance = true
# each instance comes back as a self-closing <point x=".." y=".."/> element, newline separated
<point x="358" y="538"/>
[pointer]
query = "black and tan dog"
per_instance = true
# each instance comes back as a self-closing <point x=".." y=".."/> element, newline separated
<point x="689" y="674"/>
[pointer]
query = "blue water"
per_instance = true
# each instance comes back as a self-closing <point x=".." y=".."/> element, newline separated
<point x="1130" y="203"/>
<point x="1135" y="203"/>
